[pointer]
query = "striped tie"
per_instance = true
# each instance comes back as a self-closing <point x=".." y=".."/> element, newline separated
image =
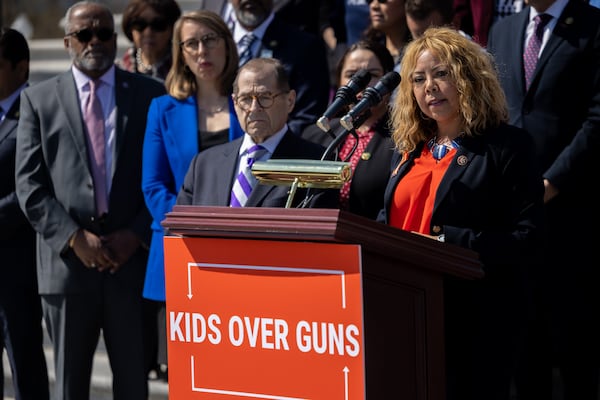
<point x="245" y="181"/>
<point x="245" y="48"/>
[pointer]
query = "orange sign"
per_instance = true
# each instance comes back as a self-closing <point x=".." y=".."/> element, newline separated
<point x="264" y="320"/>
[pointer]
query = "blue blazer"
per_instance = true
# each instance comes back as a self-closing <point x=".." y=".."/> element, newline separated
<point x="170" y="143"/>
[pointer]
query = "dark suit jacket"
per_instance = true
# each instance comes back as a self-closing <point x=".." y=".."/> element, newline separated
<point x="17" y="238"/>
<point x="489" y="201"/>
<point x="305" y="60"/>
<point x="561" y="109"/>
<point x="209" y="179"/>
<point x="54" y="181"/>
<point x="20" y="306"/>
<point x="372" y="170"/>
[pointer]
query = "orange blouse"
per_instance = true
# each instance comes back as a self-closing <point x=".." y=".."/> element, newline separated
<point x="414" y="197"/>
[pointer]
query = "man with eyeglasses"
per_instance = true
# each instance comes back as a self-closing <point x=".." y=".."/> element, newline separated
<point x="219" y="176"/>
<point x="78" y="179"/>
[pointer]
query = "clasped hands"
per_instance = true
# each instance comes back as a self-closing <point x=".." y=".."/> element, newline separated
<point x="107" y="252"/>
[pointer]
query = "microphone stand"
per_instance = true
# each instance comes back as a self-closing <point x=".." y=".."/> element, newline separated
<point x="342" y="136"/>
<point x="333" y="146"/>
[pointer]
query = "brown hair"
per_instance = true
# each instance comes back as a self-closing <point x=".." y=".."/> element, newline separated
<point x="180" y="81"/>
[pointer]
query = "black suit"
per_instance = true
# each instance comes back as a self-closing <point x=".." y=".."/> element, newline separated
<point x="561" y="112"/>
<point x="56" y="193"/>
<point x="490" y="201"/>
<point x="372" y="170"/>
<point x="209" y="179"/>
<point x="304" y="58"/>
<point x="20" y="307"/>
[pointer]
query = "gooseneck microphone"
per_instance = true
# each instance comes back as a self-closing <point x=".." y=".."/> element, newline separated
<point x="371" y="96"/>
<point x="344" y="96"/>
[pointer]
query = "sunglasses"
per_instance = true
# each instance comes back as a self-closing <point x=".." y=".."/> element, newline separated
<point x="86" y="34"/>
<point x="157" y="25"/>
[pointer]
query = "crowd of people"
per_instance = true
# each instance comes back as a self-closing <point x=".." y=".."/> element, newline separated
<point x="486" y="143"/>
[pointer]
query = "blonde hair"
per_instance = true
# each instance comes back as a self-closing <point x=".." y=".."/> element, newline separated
<point x="180" y="81"/>
<point x="472" y="70"/>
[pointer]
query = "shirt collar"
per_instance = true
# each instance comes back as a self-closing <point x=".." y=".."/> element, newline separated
<point x="7" y="103"/>
<point x="555" y="10"/>
<point x="82" y="79"/>
<point x="239" y="31"/>
<point x="270" y="144"/>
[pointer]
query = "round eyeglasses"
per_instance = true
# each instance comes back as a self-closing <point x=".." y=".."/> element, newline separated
<point x="192" y="45"/>
<point x="264" y="100"/>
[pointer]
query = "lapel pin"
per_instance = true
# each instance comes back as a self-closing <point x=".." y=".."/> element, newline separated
<point x="365" y="156"/>
<point x="462" y="160"/>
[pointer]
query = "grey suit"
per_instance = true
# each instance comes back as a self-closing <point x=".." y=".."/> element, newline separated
<point x="55" y="191"/>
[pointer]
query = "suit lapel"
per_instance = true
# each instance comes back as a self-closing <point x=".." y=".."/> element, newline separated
<point x="459" y="164"/>
<point x="68" y="98"/>
<point x="564" y="30"/>
<point x="227" y="170"/>
<point x="522" y="20"/>
<point x="10" y="120"/>
<point x="123" y="99"/>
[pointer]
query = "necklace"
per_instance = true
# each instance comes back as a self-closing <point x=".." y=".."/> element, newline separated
<point x="439" y="150"/>
<point x="212" y="110"/>
<point x="142" y="67"/>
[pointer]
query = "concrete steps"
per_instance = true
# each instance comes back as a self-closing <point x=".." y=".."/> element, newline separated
<point x="101" y="387"/>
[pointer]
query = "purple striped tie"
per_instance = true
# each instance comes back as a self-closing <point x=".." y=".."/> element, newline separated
<point x="532" y="50"/>
<point x="245" y="181"/>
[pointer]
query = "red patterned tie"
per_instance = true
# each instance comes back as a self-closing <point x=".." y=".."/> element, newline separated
<point x="532" y="50"/>
<point x="94" y="120"/>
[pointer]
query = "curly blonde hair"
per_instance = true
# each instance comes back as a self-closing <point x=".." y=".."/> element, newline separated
<point x="473" y="72"/>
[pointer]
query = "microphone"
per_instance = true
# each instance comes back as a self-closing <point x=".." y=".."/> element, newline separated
<point x="345" y="95"/>
<point x="371" y="96"/>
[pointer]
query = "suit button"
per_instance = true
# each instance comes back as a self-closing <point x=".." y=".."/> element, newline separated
<point x="436" y="229"/>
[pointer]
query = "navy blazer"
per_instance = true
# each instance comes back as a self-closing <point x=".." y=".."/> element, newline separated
<point x="170" y="143"/>
<point x="372" y="170"/>
<point x="561" y="109"/>
<point x="489" y="200"/>
<point x="210" y="177"/>
<point x="304" y="58"/>
<point x="17" y="238"/>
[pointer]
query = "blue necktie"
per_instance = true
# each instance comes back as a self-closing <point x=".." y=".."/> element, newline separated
<point x="246" y="48"/>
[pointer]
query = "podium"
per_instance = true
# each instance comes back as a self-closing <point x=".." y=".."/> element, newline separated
<point x="402" y="284"/>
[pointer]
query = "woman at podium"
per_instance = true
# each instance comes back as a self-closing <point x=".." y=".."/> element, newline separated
<point x="462" y="175"/>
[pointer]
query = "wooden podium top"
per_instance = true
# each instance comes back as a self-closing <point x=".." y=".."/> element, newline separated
<point x="322" y="225"/>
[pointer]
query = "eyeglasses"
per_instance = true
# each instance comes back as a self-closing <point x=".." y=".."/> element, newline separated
<point x="157" y="25"/>
<point x="264" y="100"/>
<point x="379" y="1"/>
<point x="86" y="34"/>
<point x="192" y="45"/>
